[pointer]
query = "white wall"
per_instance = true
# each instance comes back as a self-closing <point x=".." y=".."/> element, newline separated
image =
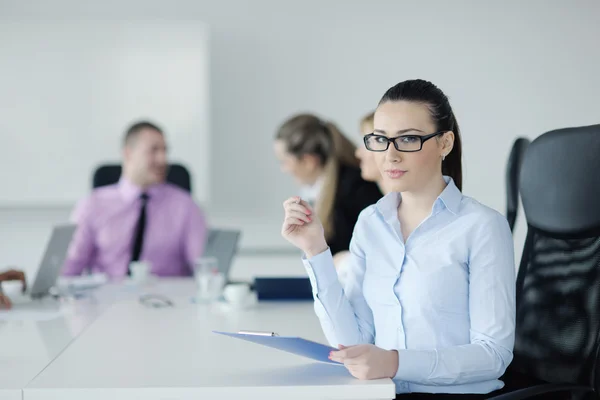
<point x="511" y="68"/>
<point x="70" y="88"/>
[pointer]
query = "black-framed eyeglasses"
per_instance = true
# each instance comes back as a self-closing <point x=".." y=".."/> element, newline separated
<point x="404" y="143"/>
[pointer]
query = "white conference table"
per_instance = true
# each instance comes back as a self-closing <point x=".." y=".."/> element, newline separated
<point x="125" y="350"/>
<point x="28" y="346"/>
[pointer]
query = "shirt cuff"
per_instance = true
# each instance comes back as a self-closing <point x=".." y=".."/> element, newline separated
<point x="415" y="365"/>
<point x="320" y="270"/>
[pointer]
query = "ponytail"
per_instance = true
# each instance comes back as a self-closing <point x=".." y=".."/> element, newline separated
<point x="343" y="155"/>
<point x="452" y="165"/>
<point x="307" y="134"/>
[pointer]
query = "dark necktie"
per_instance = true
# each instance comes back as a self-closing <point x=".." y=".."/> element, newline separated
<point x="138" y="241"/>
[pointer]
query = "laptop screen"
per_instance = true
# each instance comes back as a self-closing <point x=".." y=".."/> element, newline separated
<point x="222" y="245"/>
<point x="53" y="259"/>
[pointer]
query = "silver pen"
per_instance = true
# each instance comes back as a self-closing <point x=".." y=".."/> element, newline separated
<point x="257" y="333"/>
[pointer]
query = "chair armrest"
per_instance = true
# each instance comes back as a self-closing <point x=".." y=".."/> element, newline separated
<point x="541" y="389"/>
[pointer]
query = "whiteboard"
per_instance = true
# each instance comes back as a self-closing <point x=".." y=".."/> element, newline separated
<point x="69" y="90"/>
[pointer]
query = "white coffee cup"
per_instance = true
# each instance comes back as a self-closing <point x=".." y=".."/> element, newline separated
<point x="140" y="270"/>
<point x="12" y="289"/>
<point x="237" y="294"/>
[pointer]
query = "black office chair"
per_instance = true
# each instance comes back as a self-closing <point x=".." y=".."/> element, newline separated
<point x="513" y="167"/>
<point x="558" y="284"/>
<point x="110" y="174"/>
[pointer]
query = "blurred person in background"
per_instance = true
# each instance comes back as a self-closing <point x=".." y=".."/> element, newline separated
<point x="368" y="166"/>
<point x="323" y="162"/>
<point x="140" y="218"/>
<point x="370" y="173"/>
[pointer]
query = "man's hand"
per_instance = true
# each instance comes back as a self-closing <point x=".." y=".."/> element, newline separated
<point x="367" y="361"/>
<point x="5" y="303"/>
<point x="13" y="275"/>
<point x="10" y="275"/>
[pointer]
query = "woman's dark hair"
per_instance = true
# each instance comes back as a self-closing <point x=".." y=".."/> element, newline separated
<point x="421" y="91"/>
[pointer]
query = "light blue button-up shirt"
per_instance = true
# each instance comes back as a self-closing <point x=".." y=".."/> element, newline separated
<point x="445" y="299"/>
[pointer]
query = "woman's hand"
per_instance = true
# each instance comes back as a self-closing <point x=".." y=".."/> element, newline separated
<point x="367" y="361"/>
<point x="302" y="228"/>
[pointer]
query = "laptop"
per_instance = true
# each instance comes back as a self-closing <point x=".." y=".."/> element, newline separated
<point x="222" y="244"/>
<point x="51" y="264"/>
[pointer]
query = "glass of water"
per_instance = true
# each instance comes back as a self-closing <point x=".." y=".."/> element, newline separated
<point x="209" y="279"/>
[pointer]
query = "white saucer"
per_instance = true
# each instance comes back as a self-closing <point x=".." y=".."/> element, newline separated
<point x="251" y="302"/>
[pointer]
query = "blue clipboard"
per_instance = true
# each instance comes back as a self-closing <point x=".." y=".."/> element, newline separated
<point x="295" y="345"/>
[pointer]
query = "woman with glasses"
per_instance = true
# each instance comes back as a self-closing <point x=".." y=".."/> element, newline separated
<point x="429" y="299"/>
<point x="322" y="161"/>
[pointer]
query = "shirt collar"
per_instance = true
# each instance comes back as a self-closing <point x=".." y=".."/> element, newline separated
<point x="312" y="192"/>
<point x="450" y="198"/>
<point x="130" y="191"/>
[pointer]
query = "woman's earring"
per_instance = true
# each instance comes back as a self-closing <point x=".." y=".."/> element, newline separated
<point x="443" y="157"/>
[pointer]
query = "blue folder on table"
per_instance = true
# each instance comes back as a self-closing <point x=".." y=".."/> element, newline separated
<point x="295" y="345"/>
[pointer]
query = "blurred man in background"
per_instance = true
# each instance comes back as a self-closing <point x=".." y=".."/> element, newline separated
<point x="140" y="218"/>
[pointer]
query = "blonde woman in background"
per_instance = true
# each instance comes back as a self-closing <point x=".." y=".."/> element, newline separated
<point x="322" y="160"/>
<point x="369" y="172"/>
<point x="368" y="166"/>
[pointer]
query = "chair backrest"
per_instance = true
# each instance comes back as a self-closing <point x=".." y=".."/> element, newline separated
<point x="513" y="167"/>
<point x="558" y="284"/>
<point x="110" y="174"/>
